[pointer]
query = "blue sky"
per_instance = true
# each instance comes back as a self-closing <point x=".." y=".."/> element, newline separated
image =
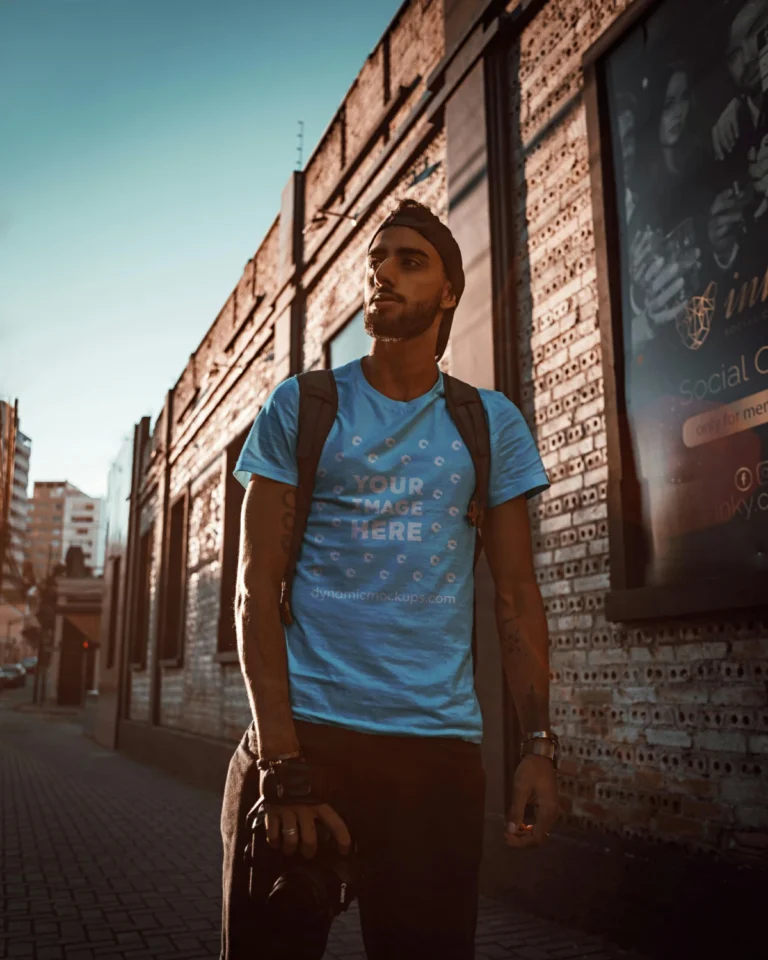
<point x="145" y="145"/>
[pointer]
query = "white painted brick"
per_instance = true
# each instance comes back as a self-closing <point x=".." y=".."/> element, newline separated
<point x="578" y="449"/>
<point x="598" y="475"/>
<point x="721" y="741"/>
<point x="598" y="581"/>
<point x="625" y="695"/>
<point x="576" y="552"/>
<point x="734" y="695"/>
<point x="598" y="547"/>
<point x="627" y="734"/>
<point x="680" y="694"/>
<point x="556" y="360"/>
<point x="568" y="485"/>
<point x="556" y="424"/>
<point x="561" y="390"/>
<point x="598" y="511"/>
<point x="583" y="344"/>
<point x="543" y="559"/>
<point x="553" y="524"/>
<point x="689" y="652"/>
<point x="557" y="588"/>
<point x="600" y="658"/>
<point x="591" y="409"/>
<point x="562" y="659"/>
<point x="668" y="738"/>
<point x="581" y="621"/>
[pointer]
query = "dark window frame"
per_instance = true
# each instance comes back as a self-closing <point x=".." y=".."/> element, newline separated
<point x="140" y="633"/>
<point x="115" y="566"/>
<point x="170" y="646"/>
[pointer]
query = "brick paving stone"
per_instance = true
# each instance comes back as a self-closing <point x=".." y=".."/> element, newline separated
<point x="106" y="859"/>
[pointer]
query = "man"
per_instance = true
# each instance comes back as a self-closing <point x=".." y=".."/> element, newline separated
<point x="373" y="678"/>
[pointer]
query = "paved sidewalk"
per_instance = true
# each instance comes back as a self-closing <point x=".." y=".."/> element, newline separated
<point x="104" y="859"/>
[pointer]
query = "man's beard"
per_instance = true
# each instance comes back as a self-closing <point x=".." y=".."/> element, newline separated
<point x="410" y="322"/>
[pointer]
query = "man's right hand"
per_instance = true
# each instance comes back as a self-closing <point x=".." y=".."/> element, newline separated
<point x="301" y="817"/>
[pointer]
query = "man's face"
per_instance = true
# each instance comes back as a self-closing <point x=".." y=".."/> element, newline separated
<point x="405" y="286"/>
<point x="743" y="55"/>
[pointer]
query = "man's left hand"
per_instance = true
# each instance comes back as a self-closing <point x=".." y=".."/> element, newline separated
<point x="535" y="782"/>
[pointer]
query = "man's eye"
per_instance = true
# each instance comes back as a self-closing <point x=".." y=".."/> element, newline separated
<point x="415" y="263"/>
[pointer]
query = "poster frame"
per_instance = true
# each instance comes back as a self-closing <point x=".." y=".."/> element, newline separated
<point x="629" y="598"/>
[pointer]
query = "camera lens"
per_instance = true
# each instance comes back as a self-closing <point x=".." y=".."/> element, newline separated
<point x="299" y="917"/>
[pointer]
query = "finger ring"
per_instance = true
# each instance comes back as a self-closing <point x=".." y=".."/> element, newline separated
<point x="288" y="833"/>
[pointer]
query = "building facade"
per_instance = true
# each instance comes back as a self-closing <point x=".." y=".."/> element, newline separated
<point x="18" y="546"/>
<point x="15" y="449"/>
<point x="503" y="118"/>
<point x="83" y="527"/>
<point x="62" y="516"/>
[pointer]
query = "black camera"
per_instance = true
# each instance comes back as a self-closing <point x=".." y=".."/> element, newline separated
<point x="299" y="897"/>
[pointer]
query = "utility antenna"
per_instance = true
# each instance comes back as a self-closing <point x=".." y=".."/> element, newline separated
<point x="301" y="145"/>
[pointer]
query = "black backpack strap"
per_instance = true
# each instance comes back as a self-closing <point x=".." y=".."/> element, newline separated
<point x="318" y="403"/>
<point x="466" y="408"/>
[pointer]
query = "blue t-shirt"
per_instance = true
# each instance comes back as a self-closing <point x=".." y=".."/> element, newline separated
<point x="381" y="639"/>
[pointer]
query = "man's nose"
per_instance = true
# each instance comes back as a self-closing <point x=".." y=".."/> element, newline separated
<point x="385" y="274"/>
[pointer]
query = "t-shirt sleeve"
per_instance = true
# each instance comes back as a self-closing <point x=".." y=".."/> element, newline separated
<point x="516" y="466"/>
<point x="270" y="448"/>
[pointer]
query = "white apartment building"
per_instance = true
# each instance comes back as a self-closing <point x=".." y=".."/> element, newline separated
<point x="83" y="527"/>
<point x="18" y="547"/>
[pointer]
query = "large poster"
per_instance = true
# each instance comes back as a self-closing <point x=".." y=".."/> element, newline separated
<point x="688" y="96"/>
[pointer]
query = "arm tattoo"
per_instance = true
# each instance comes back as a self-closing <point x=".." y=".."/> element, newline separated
<point x="287" y="521"/>
<point x="511" y="637"/>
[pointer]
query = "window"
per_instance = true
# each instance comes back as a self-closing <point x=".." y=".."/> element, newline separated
<point x="234" y="494"/>
<point x="350" y="343"/>
<point x="89" y="506"/>
<point x="81" y="531"/>
<point x="172" y="634"/>
<point x="114" y="594"/>
<point x="141" y="625"/>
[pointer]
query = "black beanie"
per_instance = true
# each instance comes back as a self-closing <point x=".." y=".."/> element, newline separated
<point x="411" y="213"/>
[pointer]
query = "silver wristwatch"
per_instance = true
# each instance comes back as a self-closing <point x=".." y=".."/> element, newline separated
<point x="544" y="743"/>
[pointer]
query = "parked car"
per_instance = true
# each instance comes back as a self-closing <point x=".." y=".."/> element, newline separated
<point x="14" y="675"/>
<point x="29" y="664"/>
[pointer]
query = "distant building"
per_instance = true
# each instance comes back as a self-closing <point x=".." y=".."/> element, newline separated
<point x="15" y="448"/>
<point x="83" y="528"/>
<point x="18" y="547"/>
<point x="63" y="516"/>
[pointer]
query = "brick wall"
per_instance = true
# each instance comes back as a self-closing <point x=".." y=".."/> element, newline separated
<point x="665" y="728"/>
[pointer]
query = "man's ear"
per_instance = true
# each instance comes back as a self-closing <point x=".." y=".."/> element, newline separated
<point x="449" y="298"/>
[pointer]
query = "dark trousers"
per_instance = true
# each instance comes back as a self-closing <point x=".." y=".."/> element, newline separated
<point x="415" y="807"/>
